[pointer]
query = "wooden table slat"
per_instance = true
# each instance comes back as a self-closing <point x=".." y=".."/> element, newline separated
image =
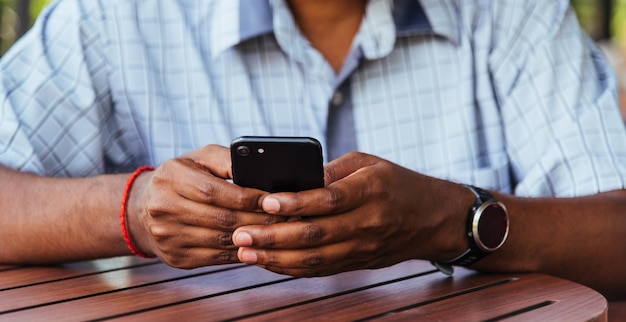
<point x="140" y="290"/>
<point x="305" y="290"/>
<point x="6" y="267"/>
<point x="373" y="302"/>
<point x="122" y="300"/>
<point x="16" y="276"/>
<point x="543" y="296"/>
<point x="150" y="296"/>
<point x="91" y="285"/>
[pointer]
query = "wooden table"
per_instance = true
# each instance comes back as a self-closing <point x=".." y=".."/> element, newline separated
<point x="146" y="290"/>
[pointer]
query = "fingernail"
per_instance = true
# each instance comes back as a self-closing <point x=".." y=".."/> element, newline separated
<point x="248" y="256"/>
<point x="242" y="239"/>
<point x="271" y="205"/>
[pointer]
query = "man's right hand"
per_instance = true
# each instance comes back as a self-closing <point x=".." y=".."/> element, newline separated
<point x="186" y="211"/>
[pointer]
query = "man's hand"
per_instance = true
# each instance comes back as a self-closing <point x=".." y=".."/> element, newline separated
<point x="185" y="211"/>
<point x="372" y="213"/>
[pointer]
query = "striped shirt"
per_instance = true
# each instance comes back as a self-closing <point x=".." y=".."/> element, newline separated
<point x="507" y="95"/>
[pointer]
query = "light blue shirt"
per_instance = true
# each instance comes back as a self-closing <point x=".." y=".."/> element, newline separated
<point x="507" y="95"/>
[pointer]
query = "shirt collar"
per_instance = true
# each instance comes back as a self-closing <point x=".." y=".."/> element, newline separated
<point x="442" y="17"/>
<point x="410" y="19"/>
<point x="233" y="22"/>
<point x="255" y="19"/>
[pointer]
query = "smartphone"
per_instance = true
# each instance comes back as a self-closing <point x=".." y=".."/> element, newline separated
<point x="277" y="164"/>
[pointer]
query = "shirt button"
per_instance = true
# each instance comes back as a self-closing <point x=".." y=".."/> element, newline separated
<point x="337" y="99"/>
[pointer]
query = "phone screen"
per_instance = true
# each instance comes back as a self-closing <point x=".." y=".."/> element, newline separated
<point x="277" y="164"/>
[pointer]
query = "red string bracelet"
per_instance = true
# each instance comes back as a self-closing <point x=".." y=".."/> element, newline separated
<point x="129" y="185"/>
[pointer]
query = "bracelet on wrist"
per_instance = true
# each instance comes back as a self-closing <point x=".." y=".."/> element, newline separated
<point x="123" y="212"/>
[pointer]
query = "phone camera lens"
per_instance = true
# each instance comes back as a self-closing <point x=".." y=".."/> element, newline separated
<point x="243" y="150"/>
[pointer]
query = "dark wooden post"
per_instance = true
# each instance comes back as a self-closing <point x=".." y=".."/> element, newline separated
<point x="607" y="15"/>
<point x="22" y="8"/>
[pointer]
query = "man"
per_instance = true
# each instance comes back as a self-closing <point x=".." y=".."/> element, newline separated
<point x="507" y="96"/>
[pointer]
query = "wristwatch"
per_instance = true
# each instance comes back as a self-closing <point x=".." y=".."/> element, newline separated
<point x="487" y="229"/>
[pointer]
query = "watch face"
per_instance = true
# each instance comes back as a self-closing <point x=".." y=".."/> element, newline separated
<point x="491" y="226"/>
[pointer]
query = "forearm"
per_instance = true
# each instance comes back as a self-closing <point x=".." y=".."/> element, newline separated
<point x="579" y="239"/>
<point x="49" y="220"/>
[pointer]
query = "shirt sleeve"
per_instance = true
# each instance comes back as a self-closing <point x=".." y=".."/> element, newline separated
<point x="54" y="98"/>
<point x="559" y="104"/>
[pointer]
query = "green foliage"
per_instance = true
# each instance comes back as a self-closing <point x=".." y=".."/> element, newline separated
<point x="591" y="18"/>
<point x="588" y="15"/>
<point x="618" y="22"/>
<point x="36" y="6"/>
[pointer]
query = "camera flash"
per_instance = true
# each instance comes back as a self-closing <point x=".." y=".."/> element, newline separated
<point x="261" y="150"/>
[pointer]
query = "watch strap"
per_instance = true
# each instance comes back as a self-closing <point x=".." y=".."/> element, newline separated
<point x="473" y="253"/>
<point x="482" y="195"/>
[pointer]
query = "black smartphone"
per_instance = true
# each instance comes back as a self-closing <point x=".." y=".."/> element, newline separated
<point x="277" y="164"/>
